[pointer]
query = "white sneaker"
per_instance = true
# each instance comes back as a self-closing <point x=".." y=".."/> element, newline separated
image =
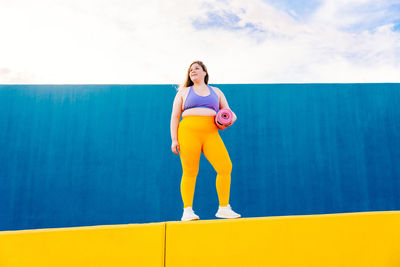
<point x="227" y="213"/>
<point x="189" y="215"/>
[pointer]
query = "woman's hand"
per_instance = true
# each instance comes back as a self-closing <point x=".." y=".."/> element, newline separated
<point x="221" y="127"/>
<point x="175" y="147"/>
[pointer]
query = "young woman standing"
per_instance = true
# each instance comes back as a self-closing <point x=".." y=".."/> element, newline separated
<point x="198" y="104"/>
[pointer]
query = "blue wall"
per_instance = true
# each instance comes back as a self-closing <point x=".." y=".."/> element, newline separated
<point x="75" y="155"/>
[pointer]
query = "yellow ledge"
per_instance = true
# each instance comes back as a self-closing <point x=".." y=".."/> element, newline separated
<point x="349" y="239"/>
<point x="97" y="246"/>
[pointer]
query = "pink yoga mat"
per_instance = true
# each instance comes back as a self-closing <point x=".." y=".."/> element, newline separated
<point x="224" y="117"/>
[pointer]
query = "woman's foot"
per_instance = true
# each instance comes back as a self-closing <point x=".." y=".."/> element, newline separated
<point x="189" y="215"/>
<point x="227" y="213"/>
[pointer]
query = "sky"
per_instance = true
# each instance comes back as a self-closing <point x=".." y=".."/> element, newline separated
<point x="154" y="41"/>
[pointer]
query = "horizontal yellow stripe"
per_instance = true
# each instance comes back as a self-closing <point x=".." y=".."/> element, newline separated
<point x="122" y="245"/>
<point x="350" y="239"/>
<point x="353" y="239"/>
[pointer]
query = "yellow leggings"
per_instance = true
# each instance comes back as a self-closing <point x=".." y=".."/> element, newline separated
<point x="196" y="134"/>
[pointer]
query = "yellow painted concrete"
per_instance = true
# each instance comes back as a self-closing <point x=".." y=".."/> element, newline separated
<point x="352" y="239"/>
<point x="97" y="246"/>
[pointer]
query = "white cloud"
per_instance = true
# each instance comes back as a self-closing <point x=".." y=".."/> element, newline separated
<point x="154" y="41"/>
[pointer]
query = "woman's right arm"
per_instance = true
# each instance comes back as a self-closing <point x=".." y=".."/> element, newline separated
<point x="175" y="117"/>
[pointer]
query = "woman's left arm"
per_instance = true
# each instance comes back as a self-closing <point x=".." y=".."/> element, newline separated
<point x="223" y="103"/>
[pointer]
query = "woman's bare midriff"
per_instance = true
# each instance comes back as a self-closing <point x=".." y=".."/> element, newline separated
<point x="198" y="112"/>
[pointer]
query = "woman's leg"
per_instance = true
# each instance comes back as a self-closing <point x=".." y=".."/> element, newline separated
<point x="215" y="151"/>
<point x="190" y="151"/>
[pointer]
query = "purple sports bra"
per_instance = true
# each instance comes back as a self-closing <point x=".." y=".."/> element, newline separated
<point x="194" y="100"/>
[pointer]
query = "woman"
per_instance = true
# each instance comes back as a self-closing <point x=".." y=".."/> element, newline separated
<point x="198" y="103"/>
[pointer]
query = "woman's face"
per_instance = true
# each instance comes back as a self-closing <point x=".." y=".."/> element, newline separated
<point x="197" y="73"/>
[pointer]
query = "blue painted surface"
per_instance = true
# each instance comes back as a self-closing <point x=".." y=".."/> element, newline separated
<point x="76" y="155"/>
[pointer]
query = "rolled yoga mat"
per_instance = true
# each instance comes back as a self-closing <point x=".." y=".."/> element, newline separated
<point x="224" y="117"/>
